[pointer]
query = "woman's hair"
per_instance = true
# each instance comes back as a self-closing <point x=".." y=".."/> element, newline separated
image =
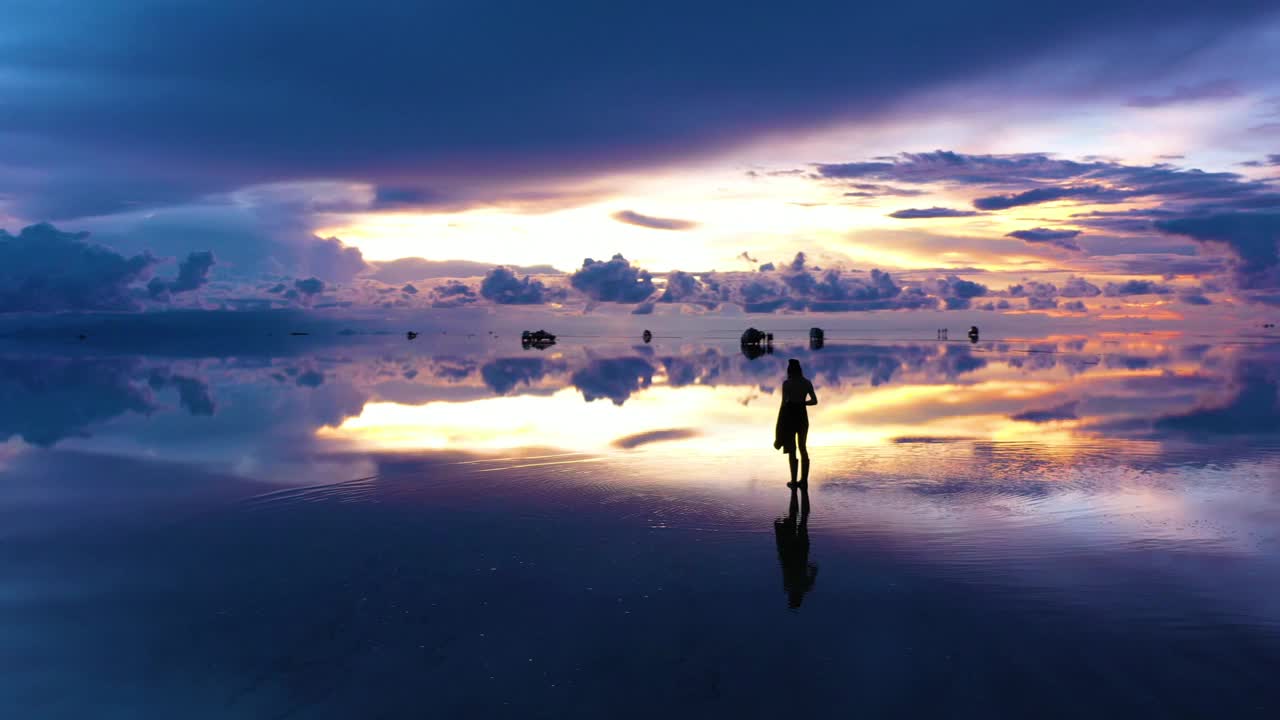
<point x="793" y="369"/>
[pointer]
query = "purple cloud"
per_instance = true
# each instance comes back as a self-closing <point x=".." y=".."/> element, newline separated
<point x="933" y="212"/>
<point x="43" y="269"/>
<point x="1060" y="238"/>
<point x="613" y="280"/>
<point x="655" y="223"/>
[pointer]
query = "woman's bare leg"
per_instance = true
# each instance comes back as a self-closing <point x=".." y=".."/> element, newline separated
<point x="802" y="436"/>
<point x="791" y="460"/>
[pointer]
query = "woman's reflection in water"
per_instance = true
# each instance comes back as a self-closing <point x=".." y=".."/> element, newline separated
<point x="792" y="535"/>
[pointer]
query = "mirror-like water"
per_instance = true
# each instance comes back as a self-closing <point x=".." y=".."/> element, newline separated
<point x="1061" y="526"/>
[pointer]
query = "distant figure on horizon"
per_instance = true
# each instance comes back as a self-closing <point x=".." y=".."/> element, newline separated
<point x="792" y="429"/>
<point x="792" y="536"/>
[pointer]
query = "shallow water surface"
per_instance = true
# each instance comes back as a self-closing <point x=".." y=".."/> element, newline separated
<point x="1061" y="527"/>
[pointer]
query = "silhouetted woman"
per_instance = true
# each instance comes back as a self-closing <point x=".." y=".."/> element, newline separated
<point x="793" y="420"/>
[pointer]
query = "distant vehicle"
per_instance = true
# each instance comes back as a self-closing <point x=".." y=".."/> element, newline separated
<point x="411" y="334"/>
<point x="973" y="333"/>
<point x="754" y="337"/>
<point x="817" y="338"/>
<point x="537" y="339"/>
<point x="647" y="336"/>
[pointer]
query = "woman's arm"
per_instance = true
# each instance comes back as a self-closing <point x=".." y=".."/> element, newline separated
<point x="812" y="399"/>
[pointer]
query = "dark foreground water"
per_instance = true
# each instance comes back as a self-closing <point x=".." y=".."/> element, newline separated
<point x="1054" y="527"/>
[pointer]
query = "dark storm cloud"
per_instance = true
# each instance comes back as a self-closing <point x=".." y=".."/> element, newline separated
<point x="655" y="223"/>
<point x="1253" y="237"/>
<point x="130" y="104"/>
<point x="932" y="212"/>
<point x="1208" y="90"/>
<point x="613" y="280"/>
<point x="1061" y="238"/>
<point x="43" y="269"/>
<point x="193" y="273"/>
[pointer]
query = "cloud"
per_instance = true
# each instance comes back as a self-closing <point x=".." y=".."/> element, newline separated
<point x="1253" y="237"/>
<point x="655" y="223"/>
<point x="309" y="287"/>
<point x="113" y="133"/>
<point x="413" y="269"/>
<point x="614" y="280"/>
<point x="1092" y="193"/>
<point x="1065" y="411"/>
<point x="503" y="287"/>
<point x="933" y="212"/>
<point x="956" y="292"/>
<point x="452" y="294"/>
<point x="1076" y="287"/>
<point x="1059" y="238"/>
<point x="1074" y="306"/>
<point x="1207" y="90"/>
<point x="43" y="269"/>
<point x="409" y="289"/>
<point x="1135" y="287"/>
<point x="193" y="273"/>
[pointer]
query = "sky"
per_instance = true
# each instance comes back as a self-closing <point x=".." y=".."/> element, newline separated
<point x="1085" y="160"/>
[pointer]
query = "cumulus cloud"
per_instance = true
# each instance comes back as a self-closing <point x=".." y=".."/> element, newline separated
<point x="683" y="287"/>
<point x="932" y="212"/>
<point x="955" y="292"/>
<point x="503" y="287"/>
<point x="1135" y="287"/>
<point x="409" y="289"/>
<point x="193" y="273"/>
<point x="453" y="294"/>
<point x="631" y="217"/>
<point x="614" y="280"/>
<point x="43" y="269"/>
<point x="1076" y="287"/>
<point x="797" y="287"/>
<point x="1061" y="238"/>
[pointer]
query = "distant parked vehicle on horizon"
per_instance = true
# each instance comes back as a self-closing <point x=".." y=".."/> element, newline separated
<point x="537" y="339"/>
